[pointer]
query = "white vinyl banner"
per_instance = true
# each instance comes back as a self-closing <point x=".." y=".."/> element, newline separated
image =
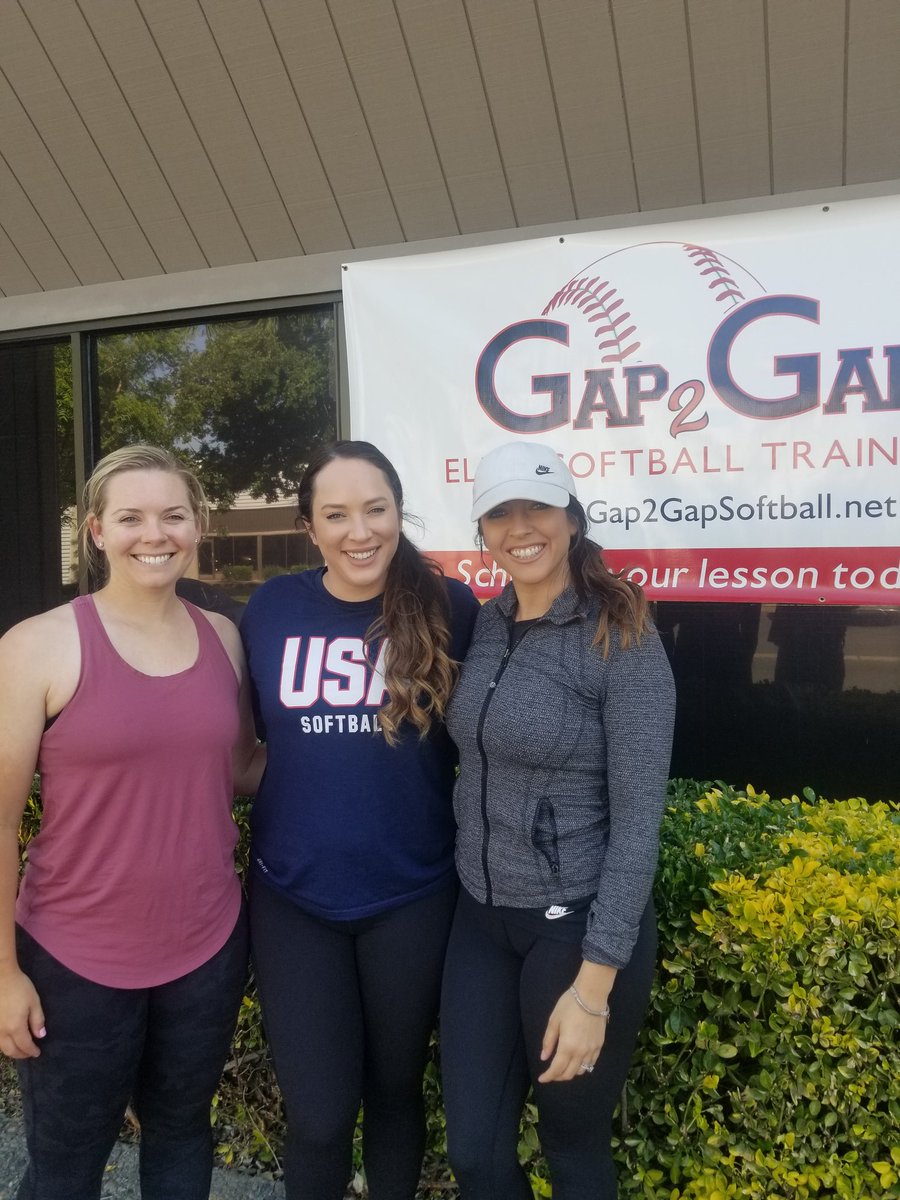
<point x="726" y="393"/>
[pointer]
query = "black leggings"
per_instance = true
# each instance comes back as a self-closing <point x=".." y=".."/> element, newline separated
<point x="349" y="1007"/>
<point x="164" y="1047"/>
<point x="501" y="982"/>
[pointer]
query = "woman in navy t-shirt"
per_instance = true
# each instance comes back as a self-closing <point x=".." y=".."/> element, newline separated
<point x="352" y="856"/>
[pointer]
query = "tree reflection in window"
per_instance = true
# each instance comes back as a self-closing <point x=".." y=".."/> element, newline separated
<point x="244" y="401"/>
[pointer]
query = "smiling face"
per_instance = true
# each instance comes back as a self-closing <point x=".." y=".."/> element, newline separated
<point x="147" y="527"/>
<point x="530" y="541"/>
<point x="356" y="524"/>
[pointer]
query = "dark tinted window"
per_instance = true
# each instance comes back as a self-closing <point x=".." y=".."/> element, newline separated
<point x="787" y="696"/>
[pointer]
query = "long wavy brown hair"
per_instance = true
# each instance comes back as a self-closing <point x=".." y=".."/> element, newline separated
<point x="415" y="610"/>
<point x="623" y="604"/>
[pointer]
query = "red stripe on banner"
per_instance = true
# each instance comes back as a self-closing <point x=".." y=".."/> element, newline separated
<point x="833" y="575"/>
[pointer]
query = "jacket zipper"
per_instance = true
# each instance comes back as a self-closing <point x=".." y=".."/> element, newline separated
<point x="485" y="823"/>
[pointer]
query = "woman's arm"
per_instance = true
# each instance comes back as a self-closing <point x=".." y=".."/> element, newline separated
<point x="249" y="754"/>
<point x="248" y="757"/>
<point x="23" y="707"/>
<point x="637" y="715"/>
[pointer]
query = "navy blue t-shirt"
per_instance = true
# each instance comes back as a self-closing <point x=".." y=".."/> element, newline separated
<point x="344" y="825"/>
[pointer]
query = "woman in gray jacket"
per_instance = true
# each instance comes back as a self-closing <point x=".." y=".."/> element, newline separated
<point x="563" y="718"/>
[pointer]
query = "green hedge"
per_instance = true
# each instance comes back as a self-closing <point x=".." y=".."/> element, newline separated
<point x="769" y="1067"/>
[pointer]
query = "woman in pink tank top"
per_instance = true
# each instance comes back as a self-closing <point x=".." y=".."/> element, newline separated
<point x="123" y="957"/>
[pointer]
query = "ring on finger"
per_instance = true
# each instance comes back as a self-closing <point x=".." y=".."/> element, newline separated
<point x="585" y="1068"/>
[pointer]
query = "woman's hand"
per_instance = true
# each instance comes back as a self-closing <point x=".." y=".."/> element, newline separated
<point x="574" y="1038"/>
<point x="21" y="1016"/>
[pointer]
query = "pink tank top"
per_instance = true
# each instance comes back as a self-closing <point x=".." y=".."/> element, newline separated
<point x="130" y="881"/>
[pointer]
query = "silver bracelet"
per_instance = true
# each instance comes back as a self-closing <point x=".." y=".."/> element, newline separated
<point x="593" y="1012"/>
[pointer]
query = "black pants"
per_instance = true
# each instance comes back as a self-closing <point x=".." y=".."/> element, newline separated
<point x="349" y="1007"/>
<point x="162" y="1047"/>
<point x="501" y="982"/>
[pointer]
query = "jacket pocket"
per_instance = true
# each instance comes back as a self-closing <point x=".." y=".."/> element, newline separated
<point x="543" y="834"/>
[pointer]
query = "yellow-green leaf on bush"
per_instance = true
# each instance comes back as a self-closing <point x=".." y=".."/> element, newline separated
<point x="788" y="925"/>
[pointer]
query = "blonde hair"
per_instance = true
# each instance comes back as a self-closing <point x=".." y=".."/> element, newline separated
<point x="133" y="458"/>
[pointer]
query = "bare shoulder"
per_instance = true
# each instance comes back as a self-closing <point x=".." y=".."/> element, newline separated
<point x="42" y="639"/>
<point x="224" y="626"/>
<point x="41" y="657"/>
<point x="229" y="637"/>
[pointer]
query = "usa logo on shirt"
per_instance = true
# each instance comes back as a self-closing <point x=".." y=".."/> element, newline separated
<point x="335" y="671"/>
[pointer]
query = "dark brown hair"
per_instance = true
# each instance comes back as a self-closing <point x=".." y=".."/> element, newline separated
<point x="415" y="610"/>
<point x="622" y="603"/>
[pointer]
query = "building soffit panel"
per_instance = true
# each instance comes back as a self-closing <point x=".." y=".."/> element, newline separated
<point x="252" y="56"/>
<point x="510" y="50"/>
<point x="28" y="233"/>
<point x="873" y="91"/>
<point x="122" y="250"/>
<point x="583" y="59"/>
<point x="325" y="90"/>
<point x="49" y="198"/>
<point x="656" y="75"/>
<point x="378" y="60"/>
<point x="94" y="92"/>
<point x="142" y="137"/>
<point x="728" y="59"/>
<point x="447" y="73"/>
<point x="185" y="41"/>
<point x="150" y="91"/>
<point x="807" y="44"/>
<point x="15" y="274"/>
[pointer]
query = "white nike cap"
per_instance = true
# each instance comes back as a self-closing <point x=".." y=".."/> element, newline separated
<point x="521" y="471"/>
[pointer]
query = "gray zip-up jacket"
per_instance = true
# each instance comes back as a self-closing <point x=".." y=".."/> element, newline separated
<point x="564" y="757"/>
